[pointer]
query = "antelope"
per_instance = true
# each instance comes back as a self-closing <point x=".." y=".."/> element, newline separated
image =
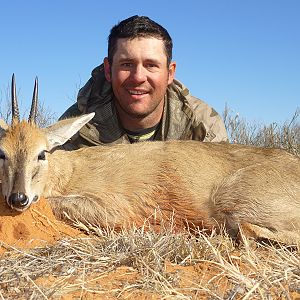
<point x="200" y="185"/>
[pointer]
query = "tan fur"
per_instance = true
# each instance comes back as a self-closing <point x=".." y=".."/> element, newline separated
<point x="198" y="184"/>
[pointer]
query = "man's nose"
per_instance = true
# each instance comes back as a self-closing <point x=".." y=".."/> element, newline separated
<point x="139" y="74"/>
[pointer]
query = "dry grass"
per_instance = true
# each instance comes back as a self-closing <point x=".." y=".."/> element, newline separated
<point x="285" y="136"/>
<point x="45" y="115"/>
<point x="248" y="270"/>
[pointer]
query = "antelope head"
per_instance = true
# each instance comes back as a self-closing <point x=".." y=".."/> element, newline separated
<point x="25" y="149"/>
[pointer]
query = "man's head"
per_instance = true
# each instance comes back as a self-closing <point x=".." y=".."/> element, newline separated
<point x="139" y="27"/>
<point x="139" y="68"/>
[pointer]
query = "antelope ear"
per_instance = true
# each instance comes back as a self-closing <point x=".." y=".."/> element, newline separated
<point x="3" y="127"/>
<point x="58" y="133"/>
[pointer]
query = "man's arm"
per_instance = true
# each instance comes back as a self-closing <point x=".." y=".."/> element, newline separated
<point x="208" y="124"/>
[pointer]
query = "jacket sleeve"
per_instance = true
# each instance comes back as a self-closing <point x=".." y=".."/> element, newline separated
<point x="208" y="125"/>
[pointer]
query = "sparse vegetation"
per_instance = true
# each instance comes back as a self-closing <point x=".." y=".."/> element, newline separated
<point x="45" y="115"/>
<point x="285" y="136"/>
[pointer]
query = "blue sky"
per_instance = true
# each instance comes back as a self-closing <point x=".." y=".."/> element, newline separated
<point x="243" y="53"/>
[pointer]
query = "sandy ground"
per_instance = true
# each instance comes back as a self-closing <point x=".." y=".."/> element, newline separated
<point x="34" y="227"/>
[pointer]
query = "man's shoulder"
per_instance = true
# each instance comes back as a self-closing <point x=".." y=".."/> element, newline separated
<point x="179" y="92"/>
<point x="200" y="107"/>
<point x="204" y="118"/>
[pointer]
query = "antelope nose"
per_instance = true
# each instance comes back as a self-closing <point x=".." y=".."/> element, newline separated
<point x="18" y="200"/>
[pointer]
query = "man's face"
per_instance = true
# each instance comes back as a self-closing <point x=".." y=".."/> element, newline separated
<point x="139" y="75"/>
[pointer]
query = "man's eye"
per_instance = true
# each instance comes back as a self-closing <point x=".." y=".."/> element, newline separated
<point x="126" y="65"/>
<point x="42" y="155"/>
<point x="2" y="155"/>
<point x="152" y="67"/>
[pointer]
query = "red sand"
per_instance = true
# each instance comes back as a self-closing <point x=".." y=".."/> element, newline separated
<point x="34" y="227"/>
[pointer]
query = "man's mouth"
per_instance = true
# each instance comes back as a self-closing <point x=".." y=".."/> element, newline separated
<point x="137" y="92"/>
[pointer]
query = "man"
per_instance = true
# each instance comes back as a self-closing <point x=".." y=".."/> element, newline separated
<point x="135" y="96"/>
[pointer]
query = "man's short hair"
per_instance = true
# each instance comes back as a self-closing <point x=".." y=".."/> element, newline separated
<point x="138" y="26"/>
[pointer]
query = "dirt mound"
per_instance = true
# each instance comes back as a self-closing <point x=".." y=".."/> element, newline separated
<point x="34" y="227"/>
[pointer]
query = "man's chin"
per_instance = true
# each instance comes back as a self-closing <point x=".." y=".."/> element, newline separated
<point x="137" y="114"/>
<point x="137" y="110"/>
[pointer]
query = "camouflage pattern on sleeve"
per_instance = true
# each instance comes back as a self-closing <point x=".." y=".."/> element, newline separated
<point x="192" y="118"/>
<point x="208" y="125"/>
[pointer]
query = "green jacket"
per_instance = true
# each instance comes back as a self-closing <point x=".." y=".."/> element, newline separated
<point x="185" y="117"/>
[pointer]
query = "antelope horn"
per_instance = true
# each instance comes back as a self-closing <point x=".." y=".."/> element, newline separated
<point x="14" y="109"/>
<point x="33" y="109"/>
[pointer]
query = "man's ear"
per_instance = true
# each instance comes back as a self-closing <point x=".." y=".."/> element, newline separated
<point x="172" y="69"/>
<point x="107" y="69"/>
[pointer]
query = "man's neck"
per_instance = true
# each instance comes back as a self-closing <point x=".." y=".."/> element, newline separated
<point x="138" y="124"/>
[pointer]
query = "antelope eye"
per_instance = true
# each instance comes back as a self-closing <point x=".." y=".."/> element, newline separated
<point x="2" y="155"/>
<point x="42" y="155"/>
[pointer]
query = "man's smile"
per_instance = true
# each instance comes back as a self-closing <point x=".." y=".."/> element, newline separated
<point x="137" y="92"/>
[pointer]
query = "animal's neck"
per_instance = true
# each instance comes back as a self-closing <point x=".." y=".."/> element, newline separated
<point x="58" y="176"/>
